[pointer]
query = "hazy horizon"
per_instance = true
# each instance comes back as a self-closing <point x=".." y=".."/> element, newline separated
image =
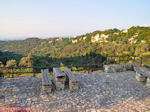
<point x="63" y="36"/>
<point x="45" y="19"/>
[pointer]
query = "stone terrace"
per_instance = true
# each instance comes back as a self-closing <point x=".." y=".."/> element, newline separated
<point x="98" y="91"/>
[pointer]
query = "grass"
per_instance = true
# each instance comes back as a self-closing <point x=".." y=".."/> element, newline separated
<point x="23" y="75"/>
<point x="39" y="74"/>
<point x="146" y="60"/>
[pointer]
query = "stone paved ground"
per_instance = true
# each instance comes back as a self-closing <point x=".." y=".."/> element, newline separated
<point x="101" y="92"/>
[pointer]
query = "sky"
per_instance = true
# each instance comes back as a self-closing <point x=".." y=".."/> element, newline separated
<point x="20" y="19"/>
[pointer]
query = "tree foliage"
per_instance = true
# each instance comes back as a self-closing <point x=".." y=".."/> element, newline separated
<point x="11" y="63"/>
<point x="134" y="41"/>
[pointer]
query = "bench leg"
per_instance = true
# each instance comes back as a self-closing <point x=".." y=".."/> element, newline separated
<point x="140" y="77"/>
<point x="73" y="86"/>
<point x="47" y="89"/>
<point x="60" y="83"/>
<point x="148" y="83"/>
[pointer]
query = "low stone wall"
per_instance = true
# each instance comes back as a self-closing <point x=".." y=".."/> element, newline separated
<point x="130" y="66"/>
<point x="119" y="67"/>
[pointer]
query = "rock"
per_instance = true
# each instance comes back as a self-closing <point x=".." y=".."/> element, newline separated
<point x="148" y="83"/>
<point x="73" y="86"/>
<point x="140" y="77"/>
<point x="28" y="102"/>
<point x="47" y="89"/>
<point x="2" y="96"/>
<point x="60" y="83"/>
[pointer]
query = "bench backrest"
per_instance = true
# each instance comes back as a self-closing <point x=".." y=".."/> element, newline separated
<point x="58" y="73"/>
<point x="70" y="75"/>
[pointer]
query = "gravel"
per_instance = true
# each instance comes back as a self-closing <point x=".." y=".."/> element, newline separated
<point x="97" y="91"/>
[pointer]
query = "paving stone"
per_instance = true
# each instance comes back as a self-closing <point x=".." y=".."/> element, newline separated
<point x="97" y="90"/>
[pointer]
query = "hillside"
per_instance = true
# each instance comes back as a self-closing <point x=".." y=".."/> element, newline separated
<point x="22" y="47"/>
<point x="133" y="41"/>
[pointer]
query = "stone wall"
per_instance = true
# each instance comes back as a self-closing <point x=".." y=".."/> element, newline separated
<point x="130" y="66"/>
<point x="47" y="89"/>
<point x="120" y="67"/>
<point x="60" y="82"/>
<point x="73" y="86"/>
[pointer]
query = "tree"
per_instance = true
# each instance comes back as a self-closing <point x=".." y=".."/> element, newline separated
<point x="11" y="63"/>
<point x="23" y="62"/>
<point x="1" y="64"/>
<point x="30" y="60"/>
<point x="26" y="61"/>
<point x="1" y="70"/>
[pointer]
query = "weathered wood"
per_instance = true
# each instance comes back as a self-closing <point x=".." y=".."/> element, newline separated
<point x="73" y="82"/>
<point x="58" y="72"/>
<point x="141" y="60"/>
<point x="49" y="78"/>
<point x="44" y="78"/>
<point x="70" y="75"/>
<point x="46" y="81"/>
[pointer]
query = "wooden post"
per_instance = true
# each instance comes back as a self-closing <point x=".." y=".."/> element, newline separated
<point x="33" y="72"/>
<point x="88" y="67"/>
<point x="128" y="58"/>
<point x="134" y="59"/>
<point x="141" y="60"/>
<point x="107" y="59"/>
<point x="119" y="59"/>
<point x="12" y="72"/>
<point x="9" y="71"/>
<point x="111" y="58"/>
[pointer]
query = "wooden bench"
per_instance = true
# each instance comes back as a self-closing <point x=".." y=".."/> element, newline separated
<point x="46" y="81"/>
<point x="143" y="76"/>
<point x="59" y="79"/>
<point x="73" y="82"/>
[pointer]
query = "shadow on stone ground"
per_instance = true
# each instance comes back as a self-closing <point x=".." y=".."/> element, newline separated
<point x="98" y="91"/>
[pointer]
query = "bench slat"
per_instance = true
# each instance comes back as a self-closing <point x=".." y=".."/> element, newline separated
<point x="58" y="72"/>
<point x="46" y="80"/>
<point x="45" y="77"/>
<point x="70" y="75"/>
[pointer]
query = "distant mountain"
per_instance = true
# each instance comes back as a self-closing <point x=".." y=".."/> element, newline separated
<point x="22" y="47"/>
<point x="132" y="41"/>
